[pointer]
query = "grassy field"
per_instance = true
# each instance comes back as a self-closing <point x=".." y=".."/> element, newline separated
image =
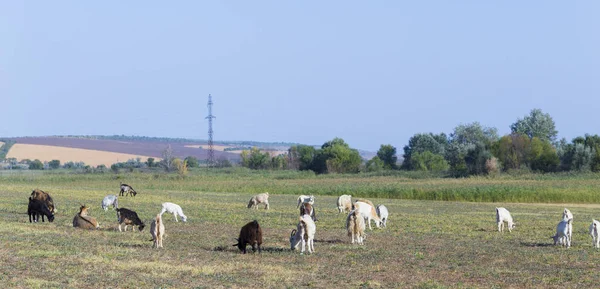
<point x="427" y="244"/>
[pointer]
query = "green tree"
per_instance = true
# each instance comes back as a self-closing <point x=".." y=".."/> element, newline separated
<point x="469" y="148"/>
<point x="542" y="156"/>
<point x="192" y="162"/>
<point x="428" y="161"/>
<point x="582" y="157"/>
<point x="255" y="159"/>
<point x="511" y="151"/>
<point x="387" y="154"/>
<point x="54" y="164"/>
<point x="374" y="165"/>
<point x="150" y="162"/>
<point x="423" y="142"/>
<point x="279" y="162"/>
<point x="336" y="156"/>
<point x="536" y="124"/>
<point x="36" y="165"/>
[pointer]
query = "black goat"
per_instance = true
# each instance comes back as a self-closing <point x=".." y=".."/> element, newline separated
<point x="37" y="208"/>
<point x="251" y="234"/>
<point x="45" y="197"/>
<point x="129" y="217"/>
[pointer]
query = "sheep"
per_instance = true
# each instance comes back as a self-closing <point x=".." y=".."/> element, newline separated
<point x="127" y="189"/>
<point x="110" y="200"/>
<point x="344" y="203"/>
<point x="567" y="214"/>
<point x="129" y="217"/>
<point x="308" y="209"/>
<point x="355" y="225"/>
<point x="45" y="197"/>
<point x="36" y="208"/>
<point x="503" y="215"/>
<point x="383" y="213"/>
<point x="174" y="209"/>
<point x="157" y="230"/>
<point x="595" y="233"/>
<point x="306" y="199"/>
<point x="82" y="220"/>
<point x="250" y="234"/>
<point x="367" y="211"/>
<point x="562" y="233"/>
<point x="305" y="233"/>
<point x="259" y="199"/>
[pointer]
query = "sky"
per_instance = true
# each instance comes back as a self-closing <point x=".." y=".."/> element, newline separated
<point x="370" y="72"/>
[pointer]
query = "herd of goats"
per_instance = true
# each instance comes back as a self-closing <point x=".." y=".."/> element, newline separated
<point x="361" y="212"/>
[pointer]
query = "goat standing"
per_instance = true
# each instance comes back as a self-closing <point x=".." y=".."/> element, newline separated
<point x="259" y="199"/>
<point x="174" y="209"/>
<point x="129" y="217"/>
<point x="126" y="190"/>
<point x="304" y="233"/>
<point x="250" y="234"/>
<point x="355" y="225"/>
<point x="157" y="230"/>
<point x="344" y="203"/>
<point x="38" y="194"/>
<point x="110" y="200"/>
<point x="308" y="209"/>
<point x="36" y="208"/>
<point x="503" y="215"/>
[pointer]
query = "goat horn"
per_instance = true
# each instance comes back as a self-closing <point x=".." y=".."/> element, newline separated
<point x="293" y="232"/>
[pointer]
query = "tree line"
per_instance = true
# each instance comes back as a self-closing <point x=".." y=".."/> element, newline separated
<point x="470" y="149"/>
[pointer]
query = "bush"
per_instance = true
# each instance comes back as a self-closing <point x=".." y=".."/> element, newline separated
<point x="54" y="164"/>
<point x="36" y="165"/>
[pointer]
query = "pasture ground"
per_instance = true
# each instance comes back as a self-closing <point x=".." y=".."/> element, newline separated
<point x="427" y="244"/>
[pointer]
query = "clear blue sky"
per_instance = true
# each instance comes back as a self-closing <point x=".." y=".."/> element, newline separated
<point x="370" y="72"/>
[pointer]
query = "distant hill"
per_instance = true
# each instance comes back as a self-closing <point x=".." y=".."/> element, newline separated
<point x="141" y="146"/>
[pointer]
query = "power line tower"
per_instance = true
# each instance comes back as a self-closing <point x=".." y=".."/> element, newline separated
<point x="211" y="149"/>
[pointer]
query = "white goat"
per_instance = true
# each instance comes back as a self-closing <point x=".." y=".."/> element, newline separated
<point x="259" y="199"/>
<point x="173" y="209"/>
<point x="383" y="213"/>
<point x="110" y="200"/>
<point x="367" y="211"/>
<point x="595" y="232"/>
<point x="503" y="215"/>
<point x="305" y="233"/>
<point x="562" y="233"/>
<point x="306" y="199"/>
<point x="355" y="225"/>
<point x="567" y="214"/>
<point x="344" y="203"/>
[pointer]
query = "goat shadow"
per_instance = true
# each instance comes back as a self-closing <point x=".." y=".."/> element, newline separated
<point x="234" y="249"/>
<point x="536" y="244"/>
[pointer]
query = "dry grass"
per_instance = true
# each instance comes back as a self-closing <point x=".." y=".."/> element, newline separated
<point x="64" y="154"/>
<point x="427" y="244"/>
<point x="215" y="147"/>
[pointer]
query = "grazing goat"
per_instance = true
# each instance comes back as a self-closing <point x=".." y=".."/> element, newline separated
<point x="259" y="199"/>
<point x="82" y="220"/>
<point x="503" y="215"/>
<point x="562" y="233"/>
<point x="36" y="208"/>
<point x="44" y="197"/>
<point x="305" y="233"/>
<point x="129" y="217"/>
<point x="173" y="209"/>
<point x="157" y="230"/>
<point x="308" y="209"/>
<point x="306" y="199"/>
<point x="344" y="203"/>
<point x="126" y="190"/>
<point x="110" y="200"/>
<point x="355" y="224"/>
<point x="383" y="213"/>
<point x="367" y="211"/>
<point x="567" y="214"/>
<point x="595" y="233"/>
<point x="250" y="234"/>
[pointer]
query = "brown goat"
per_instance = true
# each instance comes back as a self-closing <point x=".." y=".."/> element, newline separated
<point x="157" y="230"/>
<point x="83" y="220"/>
<point x="250" y="234"/>
<point x="38" y="194"/>
<point x="308" y="209"/>
<point x="129" y="217"/>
